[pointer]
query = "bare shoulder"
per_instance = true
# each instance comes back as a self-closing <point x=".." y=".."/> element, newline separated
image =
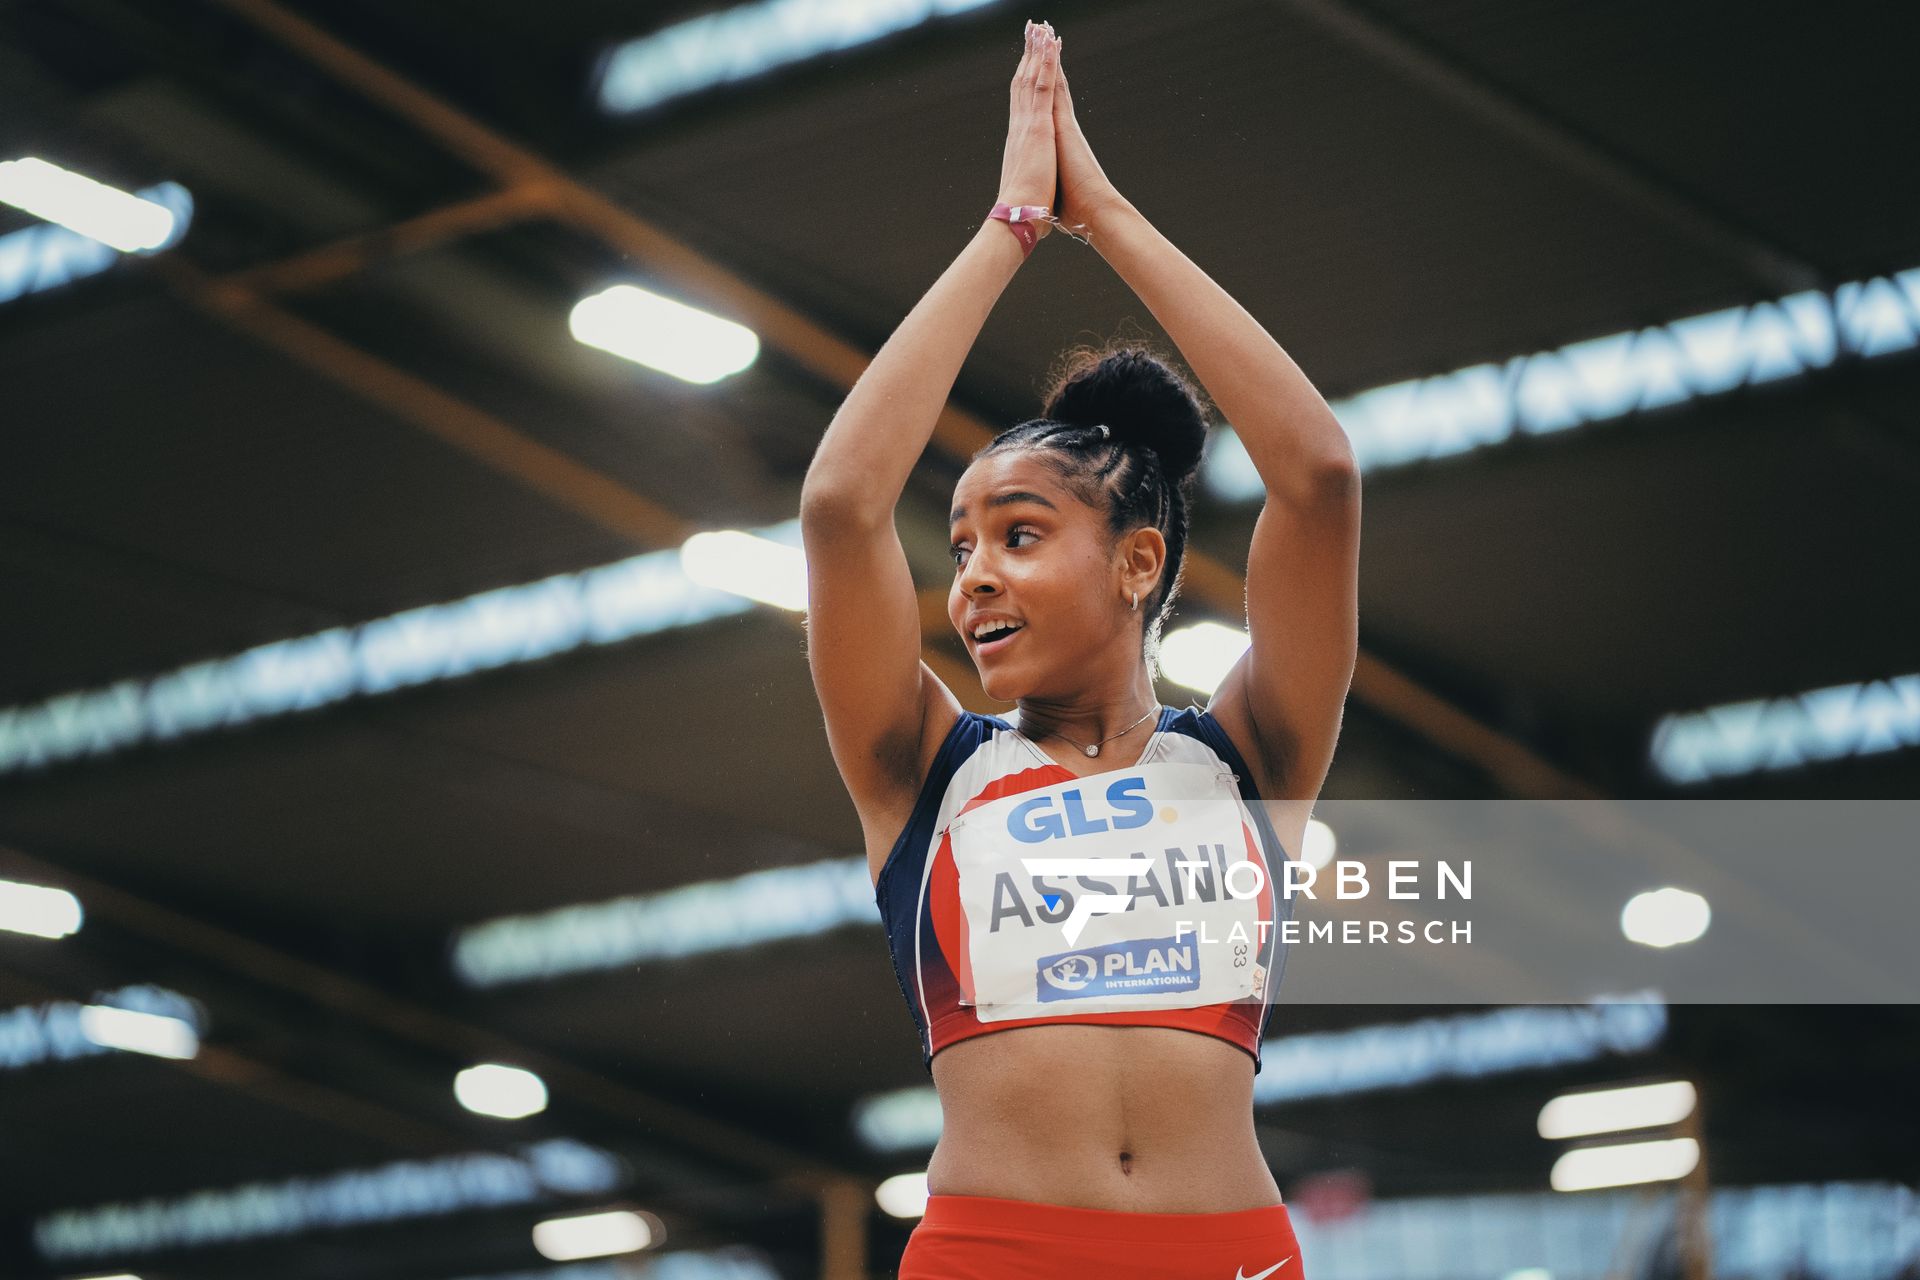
<point x="885" y="811"/>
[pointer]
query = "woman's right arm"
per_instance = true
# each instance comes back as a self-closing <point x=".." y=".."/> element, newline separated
<point x="863" y="612"/>
<point x="881" y="702"/>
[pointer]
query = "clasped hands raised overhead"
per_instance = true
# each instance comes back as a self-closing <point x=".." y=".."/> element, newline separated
<point x="1047" y="160"/>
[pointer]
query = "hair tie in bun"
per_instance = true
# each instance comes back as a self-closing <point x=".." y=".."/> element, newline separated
<point x="1102" y="429"/>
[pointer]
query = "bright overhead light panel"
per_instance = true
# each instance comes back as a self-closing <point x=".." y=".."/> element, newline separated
<point x="1200" y="656"/>
<point x="526" y="622"/>
<point x="39" y="910"/>
<point x="78" y="203"/>
<point x="1665" y="917"/>
<point x="1606" y="377"/>
<point x="1318" y="844"/>
<point x="399" y="1191"/>
<point x="1788" y="732"/>
<point x="494" y="1089"/>
<point x="137" y="1032"/>
<point x="1625" y="1164"/>
<point x="647" y="328"/>
<point x="46" y="255"/>
<point x="904" y="1195"/>
<point x="747" y="565"/>
<point x="1641" y="1106"/>
<point x="592" y="1235"/>
<point x="1360" y="1059"/>
<point x="141" y="1018"/>
<point x="747" y="40"/>
<point x="690" y="919"/>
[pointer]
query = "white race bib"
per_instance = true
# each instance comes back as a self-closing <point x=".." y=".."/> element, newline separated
<point x="1076" y="899"/>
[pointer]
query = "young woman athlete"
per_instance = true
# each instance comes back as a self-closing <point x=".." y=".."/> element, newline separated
<point x="1113" y="1144"/>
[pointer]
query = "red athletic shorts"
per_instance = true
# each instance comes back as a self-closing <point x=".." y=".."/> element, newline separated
<point x="986" y="1238"/>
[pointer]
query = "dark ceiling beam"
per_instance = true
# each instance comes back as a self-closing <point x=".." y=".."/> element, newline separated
<point x="237" y="298"/>
<point x="1767" y="263"/>
<point x="642" y="1114"/>
<point x="497" y="444"/>
<point x="510" y="164"/>
<point x="312" y="1100"/>
<point x="842" y="1200"/>
<point x="351" y="255"/>
<point x="1512" y="764"/>
<point x="482" y="436"/>
<point x="406" y="1134"/>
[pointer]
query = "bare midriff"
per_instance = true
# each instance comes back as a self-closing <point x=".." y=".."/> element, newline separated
<point x="1132" y="1119"/>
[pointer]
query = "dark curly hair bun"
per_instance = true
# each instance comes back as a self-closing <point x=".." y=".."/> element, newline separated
<point x="1140" y="470"/>
<point x="1143" y="401"/>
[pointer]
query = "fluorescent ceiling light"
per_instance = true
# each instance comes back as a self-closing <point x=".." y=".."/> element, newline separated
<point x="526" y="622"/>
<point x="747" y="40"/>
<point x="398" y="1191"/>
<point x="62" y="1030"/>
<point x="1665" y="917"/>
<point x="1605" y="377"/>
<point x="690" y="919"/>
<point x="45" y="256"/>
<point x="901" y="1119"/>
<point x="1625" y="1164"/>
<point x="80" y="204"/>
<point x="592" y="1235"/>
<point x="1317" y="846"/>
<point x="1466" y="1046"/>
<point x="1788" y="732"/>
<point x="492" y="1089"/>
<point x="153" y="1033"/>
<point x="1388" y="1056"/>
<point x="38" y="910"/>
<point x="904" y="1195"/>
<point x="1644" y="1106"/>
<point x="758" y="568"/>
<point x="1199" y="656"/>
<point x="662" y="334"/>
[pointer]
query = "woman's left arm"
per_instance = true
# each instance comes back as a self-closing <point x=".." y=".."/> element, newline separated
<point x="1285" y="695"/>
<point x="1303" y="565"/>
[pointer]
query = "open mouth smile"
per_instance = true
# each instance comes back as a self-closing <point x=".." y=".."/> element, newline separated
<point x="997" y="640"/>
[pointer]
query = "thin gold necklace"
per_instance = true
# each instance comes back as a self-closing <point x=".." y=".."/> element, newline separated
<point x="1094" y="750"/>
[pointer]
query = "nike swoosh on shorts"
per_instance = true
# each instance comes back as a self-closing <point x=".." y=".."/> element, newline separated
<point x="1240" y="1273"/>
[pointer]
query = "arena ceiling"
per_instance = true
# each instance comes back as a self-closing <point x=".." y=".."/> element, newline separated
<point x="351" y="392"/>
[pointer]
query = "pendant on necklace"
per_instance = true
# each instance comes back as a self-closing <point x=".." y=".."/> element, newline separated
<point x="1094" y="750"/>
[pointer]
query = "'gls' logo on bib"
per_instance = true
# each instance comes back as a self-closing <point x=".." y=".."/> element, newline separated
<point x="1138" y="877"/>
<point x="1055" y="817"/>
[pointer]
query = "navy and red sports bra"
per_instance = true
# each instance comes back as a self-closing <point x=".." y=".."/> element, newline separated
<point x="982" y="943"/>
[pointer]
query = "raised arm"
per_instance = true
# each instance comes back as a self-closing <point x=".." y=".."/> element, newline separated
<point x="1286" y="694"/>
<point x="883" y="705"/>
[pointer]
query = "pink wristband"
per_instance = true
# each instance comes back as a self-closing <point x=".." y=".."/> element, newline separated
<point x="1018" y="218"/>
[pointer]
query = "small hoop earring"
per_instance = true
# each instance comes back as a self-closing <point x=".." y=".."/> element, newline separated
<point x="1136" y="600"/>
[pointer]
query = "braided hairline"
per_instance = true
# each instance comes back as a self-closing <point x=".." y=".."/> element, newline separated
<point x="1045" y="436"/>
